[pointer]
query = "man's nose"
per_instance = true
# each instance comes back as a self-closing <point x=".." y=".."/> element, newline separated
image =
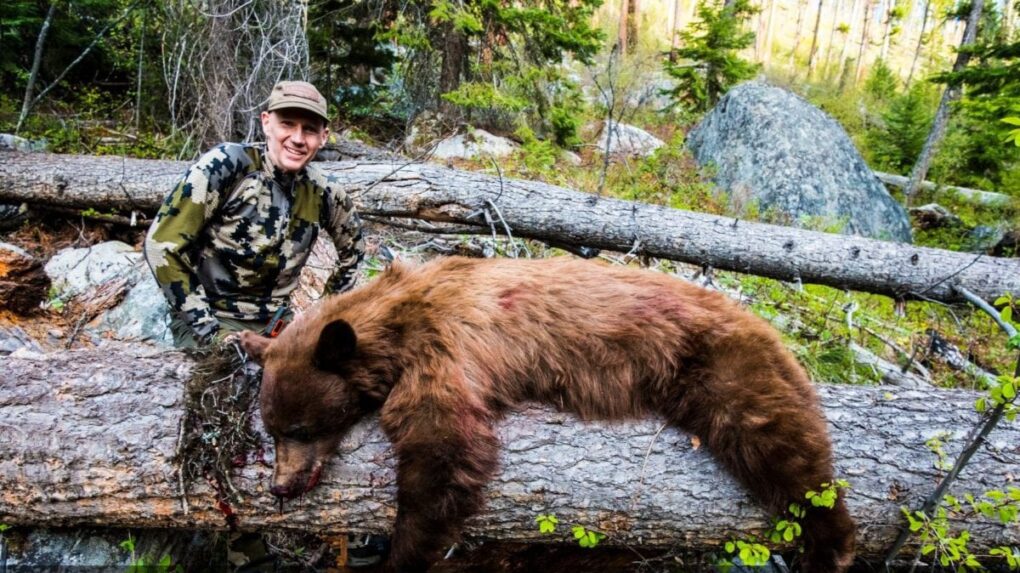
<point x="297" y="136"/>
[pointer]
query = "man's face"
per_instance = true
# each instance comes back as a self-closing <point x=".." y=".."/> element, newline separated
<point x="293" y="135"/>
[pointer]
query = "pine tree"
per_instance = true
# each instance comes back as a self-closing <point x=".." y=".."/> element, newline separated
<point x="895" y="144"/>
<point x="709" y="64"/>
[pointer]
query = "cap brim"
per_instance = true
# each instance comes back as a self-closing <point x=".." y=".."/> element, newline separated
<point x="297" y="105"/>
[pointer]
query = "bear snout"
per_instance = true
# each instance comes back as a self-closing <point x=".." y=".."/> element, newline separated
<point x="281" y="491"/>
<point x="296" y="484"/>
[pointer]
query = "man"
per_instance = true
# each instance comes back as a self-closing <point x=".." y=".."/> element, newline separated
<point x="229" y="242"/>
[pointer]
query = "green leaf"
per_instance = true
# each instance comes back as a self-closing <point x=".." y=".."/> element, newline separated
<point x="1013" y="343"/>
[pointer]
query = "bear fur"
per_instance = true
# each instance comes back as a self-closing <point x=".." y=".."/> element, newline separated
<point x="442" y="350"/>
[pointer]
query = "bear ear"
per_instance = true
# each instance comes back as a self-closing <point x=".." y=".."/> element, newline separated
<point x="337" y="343"/>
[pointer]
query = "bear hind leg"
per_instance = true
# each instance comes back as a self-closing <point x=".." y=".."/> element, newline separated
<point x="774" y="441"/>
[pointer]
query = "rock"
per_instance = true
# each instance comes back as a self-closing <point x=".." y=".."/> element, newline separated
<point x="627" y="140"/>
<point x="143" y="314"/>
<point x="11" y="142"/>
<point x="75" y="271"/>
<point x="985" y="239"/>
<point x="13" y="338"/>
<point x="475" y="143"/>
<point x="23" y="283"/>
<point x="11" y="216"/>
<point x="571" y="158"/>
<point x="110" y="550"/>
<point x="934" y="216"/>
<point x="1008" y="246"/>
<point x="770" y="147"/>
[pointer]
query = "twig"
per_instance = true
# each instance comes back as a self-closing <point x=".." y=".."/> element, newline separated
<point x="179" y="455"/>
<point x="949" y="276"/>
<point x="644" y="464"/>
<point x="977" y="301"/>
<point x="974" y="439"/>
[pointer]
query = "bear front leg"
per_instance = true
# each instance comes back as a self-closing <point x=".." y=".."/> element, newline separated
<point x="447" y="452"/>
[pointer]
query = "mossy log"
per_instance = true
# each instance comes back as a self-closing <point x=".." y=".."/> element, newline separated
<point x="87" y="438"/>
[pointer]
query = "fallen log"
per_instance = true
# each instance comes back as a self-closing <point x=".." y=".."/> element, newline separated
<point x="476" y="202"/>
<point x="986" y="198"/>
<point x="81" y="445"/>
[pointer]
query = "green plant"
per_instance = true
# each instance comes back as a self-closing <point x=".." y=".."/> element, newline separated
<point x="585" y="537"/>
<point x="709" y="64"/>
<point x="786" y="529"/>
<point x="881" y="83"/>
<point x="895" y="144"/>
<point x="146" y="564"/>
<point x="538" y="156"/>
<point x="1013" y="134"/>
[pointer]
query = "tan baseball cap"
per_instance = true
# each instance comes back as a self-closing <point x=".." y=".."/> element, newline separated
<point x="301" y="95"/>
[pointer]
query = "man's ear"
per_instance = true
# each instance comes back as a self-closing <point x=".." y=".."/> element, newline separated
<point x="254" y="345"/>
<point x="337" y="343"/>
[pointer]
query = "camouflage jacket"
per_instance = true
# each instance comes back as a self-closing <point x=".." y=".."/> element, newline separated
<point x="230" y="240"/>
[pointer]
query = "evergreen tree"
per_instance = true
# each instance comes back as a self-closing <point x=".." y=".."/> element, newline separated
<point x="991" y="93"/>
<point x="473" y="50"/>
<point x="895" y="144"/>
<point x="881" y="83"/>
<point x="708" y="64"/>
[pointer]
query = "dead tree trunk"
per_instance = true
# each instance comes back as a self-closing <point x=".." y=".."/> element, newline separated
<point x="40" y="42"/>
<point x="920" y="42"/>
<point x="462" y="202"/>
<point x="814" y="40"/>
<point x="869" y="8"/>
<point x="949" y="95"/>
<point x="88" y="446"/>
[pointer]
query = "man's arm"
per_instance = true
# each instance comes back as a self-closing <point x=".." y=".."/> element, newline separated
<point x="179" y="223"/>
<point x="345" y="229"/>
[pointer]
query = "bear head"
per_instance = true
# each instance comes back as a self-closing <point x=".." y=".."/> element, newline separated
<point x="310" y="396"/>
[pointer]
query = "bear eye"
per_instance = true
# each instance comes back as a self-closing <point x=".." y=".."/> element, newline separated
<point x="299" y="434"/>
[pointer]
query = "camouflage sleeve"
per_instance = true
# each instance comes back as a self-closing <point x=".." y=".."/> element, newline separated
<point x="344" y="226"/>
<point x="177" y="226"/>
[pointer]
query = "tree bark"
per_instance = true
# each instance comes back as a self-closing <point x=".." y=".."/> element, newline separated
<point x="832" y="35"/>
<point x="869" y="8"/>
<point x="802" y="8"/>
<point x="814" y="39"/>
<point x="976" y="196"/>
<point x="40" y="43"/>
<point x="553" y="214"/>
<point x="846" y="44"/>
<point x="769" y="33"/>
<point x="454" y="53"/>
<point x="920" y="42"/>
<point x="83" y="446"/>
<point x="887" y="31"/>
<point x="949" y="95"/>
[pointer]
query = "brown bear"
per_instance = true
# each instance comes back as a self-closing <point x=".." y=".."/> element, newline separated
<point x="444" y="349"/>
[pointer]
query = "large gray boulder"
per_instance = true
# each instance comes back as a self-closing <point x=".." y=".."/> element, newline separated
<point x="770" y="147"/>
<point x="143" y="314"/>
